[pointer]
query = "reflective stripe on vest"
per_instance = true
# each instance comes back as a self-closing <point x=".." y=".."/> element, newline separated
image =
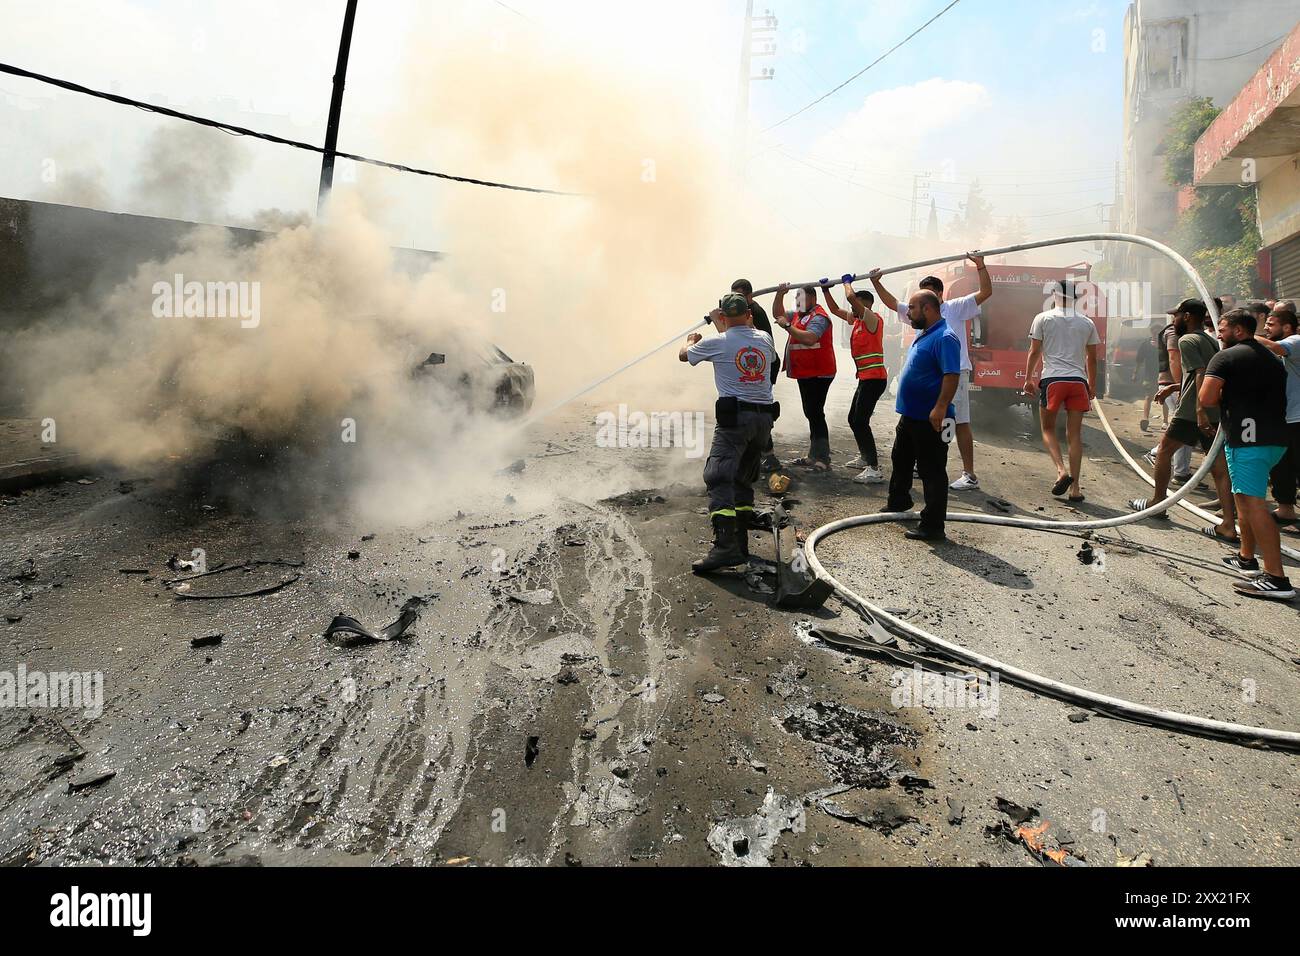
<point x="813" y="361"/>
<point x="868" y="354"/>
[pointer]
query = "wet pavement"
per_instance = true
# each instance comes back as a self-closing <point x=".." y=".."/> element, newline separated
<point x="571" y="694"/>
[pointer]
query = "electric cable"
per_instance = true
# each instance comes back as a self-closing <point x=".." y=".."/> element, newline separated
<point x="268" y="137"/>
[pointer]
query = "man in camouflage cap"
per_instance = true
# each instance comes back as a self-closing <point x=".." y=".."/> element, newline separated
<point x="742" y="358"/>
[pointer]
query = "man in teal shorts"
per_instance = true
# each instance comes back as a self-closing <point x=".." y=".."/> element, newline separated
<point x="1249" y="384"/>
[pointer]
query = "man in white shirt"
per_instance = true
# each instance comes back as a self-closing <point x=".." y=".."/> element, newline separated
<point x="1066" y="342"/>
<point x="958" y="313"/>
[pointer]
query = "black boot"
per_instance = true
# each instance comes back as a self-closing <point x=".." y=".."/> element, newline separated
<point x="726" y="552"/>
<point x="744" y="521"/>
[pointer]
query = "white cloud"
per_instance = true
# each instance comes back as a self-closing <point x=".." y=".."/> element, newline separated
<point x="903" y="117"/>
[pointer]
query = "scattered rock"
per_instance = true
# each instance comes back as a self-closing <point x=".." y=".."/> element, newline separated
<point x="92" y="778"/>
<point x="956" y="812"/>
<point x="539" y="597"/>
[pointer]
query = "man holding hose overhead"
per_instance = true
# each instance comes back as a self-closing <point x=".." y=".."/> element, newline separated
<point x="741" y="357"/>
<point x="810" y="361"/>
<point x="868" y="346"/>
<point x="958" y="313"/>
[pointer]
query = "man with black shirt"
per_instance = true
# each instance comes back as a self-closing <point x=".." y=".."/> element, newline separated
<point x="763" y="324"/>
<point x="1249" y="383"/>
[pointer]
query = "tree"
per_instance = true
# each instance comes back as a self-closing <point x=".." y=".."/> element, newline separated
<point x="1219" y="231"/>
<point x="1014" y="232"/>
<point x="976" y="220"/>
<point x="1185" y="127"/>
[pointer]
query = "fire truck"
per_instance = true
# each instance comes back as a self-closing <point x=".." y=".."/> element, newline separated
<point x="999" y="337"/>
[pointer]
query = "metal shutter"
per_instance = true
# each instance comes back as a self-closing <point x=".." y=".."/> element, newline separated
<point x="1286" y="269"/>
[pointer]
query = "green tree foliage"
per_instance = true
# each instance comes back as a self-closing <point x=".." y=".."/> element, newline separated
<point x="1185" y="127"/>
<point x="1218" y="232"/>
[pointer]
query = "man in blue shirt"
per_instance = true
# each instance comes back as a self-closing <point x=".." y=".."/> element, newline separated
<point x="927" y="417"/>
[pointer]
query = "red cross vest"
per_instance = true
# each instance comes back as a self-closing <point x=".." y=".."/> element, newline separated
<point x="812" y="361"/>
<point x="869" y="350"/>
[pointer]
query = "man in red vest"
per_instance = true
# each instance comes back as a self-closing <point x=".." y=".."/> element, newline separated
<point x="810" y="361"/>
<point x="867" y="344"/>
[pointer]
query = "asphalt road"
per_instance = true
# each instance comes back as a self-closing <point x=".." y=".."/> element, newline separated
<point x="572" y="694"/>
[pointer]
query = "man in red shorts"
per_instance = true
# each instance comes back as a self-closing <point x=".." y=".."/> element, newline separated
<point x="1066" y="342"/>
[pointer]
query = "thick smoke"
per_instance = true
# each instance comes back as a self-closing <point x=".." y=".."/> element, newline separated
<point x="187" y="172"/>
<point x="571" y="285"/>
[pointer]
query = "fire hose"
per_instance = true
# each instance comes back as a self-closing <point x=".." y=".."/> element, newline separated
<point x="1101" y="703"/>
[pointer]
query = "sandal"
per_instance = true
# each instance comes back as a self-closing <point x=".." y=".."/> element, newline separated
<point x="1214" y="533"/>
<point x="1286" y="522"/>
<point x="1062" y="486"/>
<point x="1077" y="500"/>
<point x="1142" y="504"/>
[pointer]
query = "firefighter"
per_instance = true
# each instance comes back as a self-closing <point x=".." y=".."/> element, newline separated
<point x="742" y="358"/>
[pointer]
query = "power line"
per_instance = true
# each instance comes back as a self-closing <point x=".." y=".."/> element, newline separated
<point x="522" y="16"/>
<point x="1235" y="56"/>
<point x="878" y="60"/>
<point x="268" y="137"/>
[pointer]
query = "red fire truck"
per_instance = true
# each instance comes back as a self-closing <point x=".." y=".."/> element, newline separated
<point x="999" y="338"/>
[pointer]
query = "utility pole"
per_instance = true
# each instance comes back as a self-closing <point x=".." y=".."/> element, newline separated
<point x="920" y="193"/>
<point x="336" y="107"/>
<point x="757" y="29"/>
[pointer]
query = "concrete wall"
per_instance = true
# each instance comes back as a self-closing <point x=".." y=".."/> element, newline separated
<point x="52" y="257"/>
<point x="1215" y="44"/>
<point x="1279" y="203"/>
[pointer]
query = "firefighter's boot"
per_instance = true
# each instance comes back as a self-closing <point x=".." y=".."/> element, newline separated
<point x="726" y="551"/>
<point x="744" y="521"/>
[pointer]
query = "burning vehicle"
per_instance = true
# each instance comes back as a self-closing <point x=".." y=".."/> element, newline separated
<point x="484" y="377"/>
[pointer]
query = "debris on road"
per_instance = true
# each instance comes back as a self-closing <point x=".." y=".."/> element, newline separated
<point x="886" y="817"/>
<point x="207" y="640"/>
<point x="26" y="572"/>
<point x="750" y="841"/>
<point x="1035" y="840"/>
<point x="1139" y="860"/>
<point x="1017" y="813"/>
<point x="184" y="590"/>
<point x="284" y="582"/>
<point x="342" y="624"/>
<point x="93" y="778"/>
<point x="540" y="597"/>
<point x="956" y="812"/>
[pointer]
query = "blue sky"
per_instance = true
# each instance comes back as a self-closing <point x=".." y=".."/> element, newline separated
<point x="1026" y="96"/>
